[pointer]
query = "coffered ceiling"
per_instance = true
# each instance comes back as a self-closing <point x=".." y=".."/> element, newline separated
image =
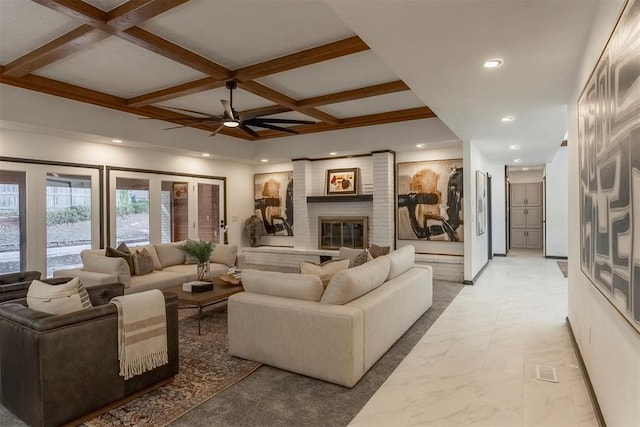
<point x="291" y="60"/>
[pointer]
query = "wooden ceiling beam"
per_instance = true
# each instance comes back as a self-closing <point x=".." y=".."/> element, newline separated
<point x="185" y="89"/>
<point x="279" y="98"/>
<point x="368" y="120"/>
<point x="61" y="47"/>
<point x="306" y="57"/>
<point x="350" y="95"/>
<point x="135" y="12"/>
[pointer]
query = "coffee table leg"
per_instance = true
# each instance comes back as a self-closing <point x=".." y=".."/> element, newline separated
<point x="199" y="319"/>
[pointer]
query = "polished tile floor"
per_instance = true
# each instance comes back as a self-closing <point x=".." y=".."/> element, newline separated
<point x="476" y="366"/>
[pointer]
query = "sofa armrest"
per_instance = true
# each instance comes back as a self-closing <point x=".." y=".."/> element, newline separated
<point x="319" y="340"/>
<point x="88" y="278"/>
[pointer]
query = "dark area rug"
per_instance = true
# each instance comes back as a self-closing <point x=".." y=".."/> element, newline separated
<point x="206" y="369"/>
<point x="564" y="267"/>
<point x="273" y="397"/>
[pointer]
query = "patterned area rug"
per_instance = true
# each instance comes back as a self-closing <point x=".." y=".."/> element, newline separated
<point x="564" y="267"/>
<point x="206" y="369"/>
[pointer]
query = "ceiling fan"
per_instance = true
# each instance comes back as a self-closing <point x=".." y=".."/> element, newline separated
<point x="230" y="118"/>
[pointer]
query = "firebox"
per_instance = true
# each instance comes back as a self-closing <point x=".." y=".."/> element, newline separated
<point x="337" y="232"/>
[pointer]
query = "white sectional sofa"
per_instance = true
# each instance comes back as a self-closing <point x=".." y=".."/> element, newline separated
<point x="170" y="268"/>
<point x="335" y="334"/>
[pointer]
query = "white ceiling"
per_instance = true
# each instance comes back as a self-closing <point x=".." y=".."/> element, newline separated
<point x="436" y="47"/>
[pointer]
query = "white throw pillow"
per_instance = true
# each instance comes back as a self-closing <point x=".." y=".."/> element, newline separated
<point x="169" y="254"/>
<point x="55" y="299"/>
<point x="326" y="270"/>
<point x="350" y="284"/>
<point x="224" y="254"/>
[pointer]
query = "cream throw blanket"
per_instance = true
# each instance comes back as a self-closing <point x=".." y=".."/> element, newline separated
<point x="142" y="332"/>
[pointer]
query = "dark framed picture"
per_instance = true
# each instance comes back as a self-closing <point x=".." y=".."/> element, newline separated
<point x="481" y="203"/>
<point x="342" y="181"/>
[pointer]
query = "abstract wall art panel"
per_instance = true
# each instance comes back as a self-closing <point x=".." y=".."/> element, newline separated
<point x="273" y="200"/>
<point x="430" y="200"/>
<point x="609" y="166"/>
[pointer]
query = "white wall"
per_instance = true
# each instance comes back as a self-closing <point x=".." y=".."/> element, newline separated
<point x="557" y="178"/>
<point x="517" y="177"/>
<point x="498" y="213"/>
<point x="29" y="145"/>
<point x="475" y="247"/>
<point x="609" y="346"/>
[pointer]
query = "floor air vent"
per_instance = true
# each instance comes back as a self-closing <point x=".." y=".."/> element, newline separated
<point x="546" y="373"/>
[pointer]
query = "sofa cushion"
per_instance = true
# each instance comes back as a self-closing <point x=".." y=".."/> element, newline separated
<point x="288" y="285"/>
<point x="103" y="264"/>
<point x="377" y="251"/>
<point x="326" y="270"/>
<point x="142" y="262"/>
<point x="401" y="260"/>
<point x="350" y="284"/>
<point x="224" y="254"/>
<point x="55" y="299"/>
<point x="169" y="254"/>
<point x="117" y="253"/>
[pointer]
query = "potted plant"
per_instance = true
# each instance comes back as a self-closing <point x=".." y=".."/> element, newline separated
<point x="200" y="251"/>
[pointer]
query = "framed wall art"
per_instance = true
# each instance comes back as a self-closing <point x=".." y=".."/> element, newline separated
<point x="609" y="168"/>
<point x="430" y="200"/>
<point x="481" y="203"/>
<point x="342" y="181"/>
<point x="273" y="202"/>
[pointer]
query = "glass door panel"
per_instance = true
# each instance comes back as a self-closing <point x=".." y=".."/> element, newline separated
<point x="209" y="208"/>
<point x="132" y="211"/>
<point x="12" y="221"/>
<point x="174" y="215"/>
<point x="68" y="210"/>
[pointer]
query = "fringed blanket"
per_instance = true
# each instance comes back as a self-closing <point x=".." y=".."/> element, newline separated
<point x="142" y="332"/>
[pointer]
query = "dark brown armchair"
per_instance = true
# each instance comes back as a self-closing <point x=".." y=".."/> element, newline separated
<point x="57" y="369"/>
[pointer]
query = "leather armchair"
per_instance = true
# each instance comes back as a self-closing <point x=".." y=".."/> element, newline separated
<point x="15" y="285"/>
<point x="57" y="369"/>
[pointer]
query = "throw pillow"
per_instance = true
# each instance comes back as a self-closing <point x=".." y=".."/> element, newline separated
<point x="362" y="257"/>
<point x="349" y="253"/>
<point x="143" y="262"/>
<point x="55" y="299"/>
<point x="224" y="254"/>
<point x="119" y="253"/>
<point x="377" y="251"/>
<point x="84" y="297"/>
<point x="324" y="271"/>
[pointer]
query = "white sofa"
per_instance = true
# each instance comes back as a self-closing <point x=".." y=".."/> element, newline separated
<point x="335" y="334"/>
<point x="170" y="268"/>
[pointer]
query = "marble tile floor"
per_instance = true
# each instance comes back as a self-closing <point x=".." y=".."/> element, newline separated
<point x="476" y="366"/>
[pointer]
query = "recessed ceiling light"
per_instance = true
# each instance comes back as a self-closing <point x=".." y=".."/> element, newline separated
<point x="525" y="169"/>
<point x="116" y="141"/>
<point x="264" y="160"/>
<point x="206" y="155"/>
<point x="517" y="160"/>
<point x="508" y="119"/>
<point x="514" y="147"/>
<point x="493" y="63"/>
<point x="420" y="145"/>
<point x="333" y="153"/>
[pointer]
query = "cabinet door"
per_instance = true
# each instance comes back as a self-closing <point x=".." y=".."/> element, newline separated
<point x="533" y="217"/>
<point x="518" y="218"/>
<point x="533" y="194"/>
<point x="518" y="239"/>
<point x="517" y="194"/>
<point x="534" y="239"/>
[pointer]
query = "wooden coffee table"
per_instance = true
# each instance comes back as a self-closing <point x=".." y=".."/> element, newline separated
<point x="221" y="292"/>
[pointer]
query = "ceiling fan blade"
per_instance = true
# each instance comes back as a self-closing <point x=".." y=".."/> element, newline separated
<point x="206" y="122"/>
<point x="185" y="118"/>
<point x="215" y="132"/>
<point x="249" y="130"/>
<point x="227" y="108"/>
<point x="268" y="120"/>
<point x="188" y="111"/>
<point x="274" y="127"/>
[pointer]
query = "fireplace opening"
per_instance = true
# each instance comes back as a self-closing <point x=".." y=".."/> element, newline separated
<point x="337" y="232"/>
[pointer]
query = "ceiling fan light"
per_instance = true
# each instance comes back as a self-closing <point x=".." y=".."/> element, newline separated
<point x="231" y="123"/>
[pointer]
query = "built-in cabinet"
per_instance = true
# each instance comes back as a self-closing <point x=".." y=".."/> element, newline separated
<point x="526" y="215"/>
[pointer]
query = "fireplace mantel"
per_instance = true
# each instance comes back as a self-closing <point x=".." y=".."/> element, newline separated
<point x="346" y="198"/>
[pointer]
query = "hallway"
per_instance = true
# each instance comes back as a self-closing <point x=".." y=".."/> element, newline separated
<point x="477" y="363"/>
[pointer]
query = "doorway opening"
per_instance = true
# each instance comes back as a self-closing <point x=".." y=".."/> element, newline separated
<point x="525" y="211"/>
